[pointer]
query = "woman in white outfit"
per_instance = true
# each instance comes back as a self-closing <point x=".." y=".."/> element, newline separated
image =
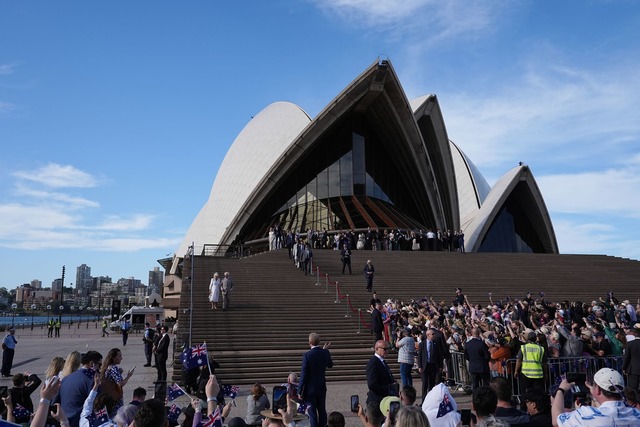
<point x="214" y="290"/>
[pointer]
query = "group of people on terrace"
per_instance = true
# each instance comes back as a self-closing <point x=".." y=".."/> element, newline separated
<point x="370" y="239"/>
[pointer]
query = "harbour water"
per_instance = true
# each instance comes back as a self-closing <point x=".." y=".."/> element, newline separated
<point x="20" y="321"/>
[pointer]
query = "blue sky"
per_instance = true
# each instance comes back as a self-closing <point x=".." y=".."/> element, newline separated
<point x="115" y="116"/>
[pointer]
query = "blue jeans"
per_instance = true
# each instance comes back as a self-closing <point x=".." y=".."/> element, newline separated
<point x="405" y="374"/>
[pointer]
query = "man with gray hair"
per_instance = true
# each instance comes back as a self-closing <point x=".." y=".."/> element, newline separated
<point x="226" y="287"/>
<point x="312" y="387"/>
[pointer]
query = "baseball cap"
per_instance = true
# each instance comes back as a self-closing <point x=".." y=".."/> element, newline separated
<point x="599" y="334"/>
<point x="386" y="403"/>
<point x="609" y="379"/>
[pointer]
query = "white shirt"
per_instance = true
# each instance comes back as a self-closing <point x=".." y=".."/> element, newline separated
<point x="608" y="414"/>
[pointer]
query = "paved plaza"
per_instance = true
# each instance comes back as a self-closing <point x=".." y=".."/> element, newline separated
<point x="35" y="350"/>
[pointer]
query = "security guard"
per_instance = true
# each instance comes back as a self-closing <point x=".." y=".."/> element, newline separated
<point x="530" y="364"/>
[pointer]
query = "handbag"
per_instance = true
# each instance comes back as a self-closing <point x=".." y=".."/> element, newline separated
<point x="112" y="389"/>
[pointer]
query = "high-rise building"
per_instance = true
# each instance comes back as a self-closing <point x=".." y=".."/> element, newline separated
<point x="156" y="280"/>
<point x="128" y="285"/>
<point x="83" y="279"/>
<point x="36" y="284"/>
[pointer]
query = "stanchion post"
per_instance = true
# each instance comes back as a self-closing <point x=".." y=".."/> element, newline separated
<point x="359" y="320"/>
<point x="347" y="304"/>
<point x="337" y="297"/>
<point x="326" y="287"/>
<point x="317" y="276"/>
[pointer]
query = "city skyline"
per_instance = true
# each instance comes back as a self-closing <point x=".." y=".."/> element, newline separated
<point x="115" y="117"/>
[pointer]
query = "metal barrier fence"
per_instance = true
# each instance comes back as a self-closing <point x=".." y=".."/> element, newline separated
<point x="458" y="372"/>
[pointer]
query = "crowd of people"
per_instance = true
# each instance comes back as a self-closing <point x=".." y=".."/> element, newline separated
<point x="370" y="239"/>
<point x="506" y="351"/>
<point x="522" y="347"/>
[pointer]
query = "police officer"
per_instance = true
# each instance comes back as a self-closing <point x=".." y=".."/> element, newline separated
<point x="530" y="363"/>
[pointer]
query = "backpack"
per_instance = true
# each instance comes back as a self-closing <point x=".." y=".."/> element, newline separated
<point x="152" y="333"/>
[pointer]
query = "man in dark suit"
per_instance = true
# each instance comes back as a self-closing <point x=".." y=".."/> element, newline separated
<point x="379" y="376"/>
<point x="477" y="353"/>
<point x="430" y="362"/>
<point x="377" y="325"/>
<point x="312" y="387"/>
<point x="162" y="353"/>
<point x="631" y="364"/>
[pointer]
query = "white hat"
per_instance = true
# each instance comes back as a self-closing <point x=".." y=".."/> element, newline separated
<point x="609" y="379"/>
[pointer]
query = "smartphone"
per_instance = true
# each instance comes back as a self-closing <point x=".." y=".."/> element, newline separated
<point x="576" y="377"/>
<point x="394" y="407"/>
<point x="465" y="417"/>
<point x="4" y="392"/>
<point x="279" y="399"/>
<point x="132" y="369"/>
<point x="355" y="403"/>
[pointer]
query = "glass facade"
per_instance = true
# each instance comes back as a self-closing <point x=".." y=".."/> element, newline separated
<point x="512" y="229"/>
<point x="347" y="182"/>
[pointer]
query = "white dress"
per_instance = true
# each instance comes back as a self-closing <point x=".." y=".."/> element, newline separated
<point x="214" y="290"/>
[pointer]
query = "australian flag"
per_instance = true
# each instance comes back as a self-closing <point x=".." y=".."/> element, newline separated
<point x="98" y="417"/>
<point x="20" y="412"/>
<point x="213" y="420"/>
<point x="302" y="407"/>
<point x="174" y="391"/>
<point x="174" y="413"/>
<point x="230" y="390"/>
<point x="90" y="373"/>
<point x="445" y="406"/>
<point x="194" y="357"/>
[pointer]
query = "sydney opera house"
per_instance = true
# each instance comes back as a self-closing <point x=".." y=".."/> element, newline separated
<point x="371" y="158"/>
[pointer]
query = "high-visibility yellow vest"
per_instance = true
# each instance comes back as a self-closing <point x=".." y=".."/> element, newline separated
<point x="532" y="360"/>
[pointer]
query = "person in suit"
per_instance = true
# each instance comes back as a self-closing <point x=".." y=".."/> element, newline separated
<point x="312" y="387"/>
<point x="631" y="364"/>
<point x="377" y="324"/>
<point x="477" y="353"/>
<point x="430" y="362"/>
<point x="379" y="376"/>
<point x="369" y="271"/>
<point x="162" y="353"/>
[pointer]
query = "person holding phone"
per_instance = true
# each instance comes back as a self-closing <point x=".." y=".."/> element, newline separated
<point x="312" y="387"/>
<point x="112" y="380"/>
<point x="606" y="388"/>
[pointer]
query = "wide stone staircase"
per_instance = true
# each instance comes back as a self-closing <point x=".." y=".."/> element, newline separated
<point x="274" y="306"/>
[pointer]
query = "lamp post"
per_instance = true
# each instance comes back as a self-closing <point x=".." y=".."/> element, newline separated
<point x="48" y="310"/>
<point x="13" y="320"/>
<point x="33" y="310"/>
<point x="71" y="313"/>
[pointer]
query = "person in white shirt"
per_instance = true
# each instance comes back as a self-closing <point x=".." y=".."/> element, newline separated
<point x="611" y="409"/>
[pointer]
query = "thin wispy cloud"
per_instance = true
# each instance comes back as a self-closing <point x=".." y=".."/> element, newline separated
<point x="528" y="119"/>
<point x="604" y="193"/>
<point x="6" y="69"/>
<point x="59" y="176"/>
<point x="71" y="202"/>
<point x="45" y="219"/>
<point x="136" y="222"/>
<point x="6" y="107"/>
<point x="444" y="20"/>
